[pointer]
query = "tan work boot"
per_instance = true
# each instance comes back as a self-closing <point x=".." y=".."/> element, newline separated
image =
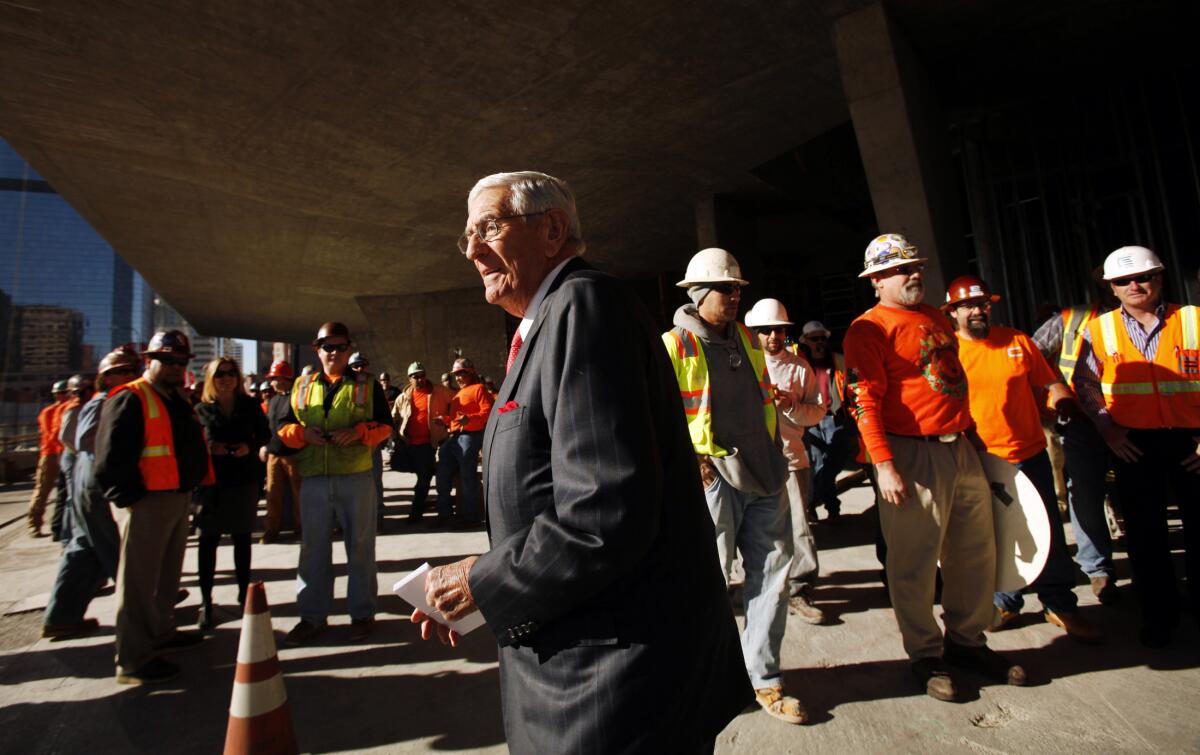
<point x="781" y="706"/>
<point x="800" y="605"/>
<point x="1076" y="627"/>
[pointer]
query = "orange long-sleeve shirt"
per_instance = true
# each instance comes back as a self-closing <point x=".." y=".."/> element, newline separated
<point x="902" y="366"/>
<point x="49" y="423"/>
<point x="473" y="402"/>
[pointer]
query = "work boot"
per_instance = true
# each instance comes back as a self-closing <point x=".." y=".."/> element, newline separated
<point x="983" y="661"/>
<point x="778" y="705"/>
<point x="1105" y="589"/>
<point x="800" y="605"/>
<point x="360" y="629"/>
<point x="154" y="672"/>
<point x="205" y="619"/>
<point x="1076" y="627"/>
<point x="1006" y="620"/>
<point x="302" y="633"/>
<point x="932" y="675"/>
<point x="71" y="630"/>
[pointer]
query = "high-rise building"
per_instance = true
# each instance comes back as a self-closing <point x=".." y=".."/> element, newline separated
<point x="51" y="258"/>
<point x="49" y="339"/>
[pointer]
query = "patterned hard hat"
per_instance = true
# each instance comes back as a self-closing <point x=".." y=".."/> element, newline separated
<point x="170" y="342"/>
<point x="280" y="369"/>
<point x="967" y="288"/>
<point x="462" y="364"/>
<point x="1131" y="260"/>
<point x="888" y="251"/>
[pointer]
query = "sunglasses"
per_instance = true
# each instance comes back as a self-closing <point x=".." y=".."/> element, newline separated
<point x="767" y="330"/>
<point x="171" y="360"/>
<point x="1140" y="279"/>
<point x="725" y="288"/>
<point x="225" y="373"/>
<point x="334" y="348"/>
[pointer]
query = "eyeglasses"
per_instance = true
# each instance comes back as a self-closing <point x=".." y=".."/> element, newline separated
<point x="334" y="348"/>
<point x="488" y="229"/>
<point x="1140" y="279"/>
<point x="225" y="373"/>
<point x="169" y="359"/>
<point x="979" y="304"/>
<point x="725" y="288"/>
<point x="767" y="330"/>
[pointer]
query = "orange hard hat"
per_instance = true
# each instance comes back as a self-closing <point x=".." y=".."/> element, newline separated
<point x="967" y="288"/>
<point x="280" y="369"/>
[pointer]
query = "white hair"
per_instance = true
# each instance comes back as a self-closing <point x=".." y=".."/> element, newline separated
<point x="531" y="192"/>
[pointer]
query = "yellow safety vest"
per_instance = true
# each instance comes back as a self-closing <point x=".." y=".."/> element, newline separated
<point x="691" y="372"/>
<point x="353" y="403"/>
<point x="1075" y="321"/>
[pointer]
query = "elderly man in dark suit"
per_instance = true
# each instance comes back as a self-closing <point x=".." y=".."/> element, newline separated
<point x="602" y="584"/>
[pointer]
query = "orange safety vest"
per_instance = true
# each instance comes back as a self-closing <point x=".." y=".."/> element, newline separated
<point x="157" y="463"/>
<point x="1164" y="392"/>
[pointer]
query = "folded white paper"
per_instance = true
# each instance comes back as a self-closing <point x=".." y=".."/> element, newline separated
<point x="412" y="589"/>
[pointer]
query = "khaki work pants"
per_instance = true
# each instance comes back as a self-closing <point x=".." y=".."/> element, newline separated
<point x="948" y="516"/>
<point x="45" y="480"/>
<point x="153" y="538"/>
<point x="282" y="476"/>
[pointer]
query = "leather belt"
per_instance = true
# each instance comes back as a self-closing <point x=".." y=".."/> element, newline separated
<point x="942" y="438"/>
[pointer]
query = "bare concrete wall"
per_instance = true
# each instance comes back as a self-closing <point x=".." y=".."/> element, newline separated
<point x="430" y="328"/>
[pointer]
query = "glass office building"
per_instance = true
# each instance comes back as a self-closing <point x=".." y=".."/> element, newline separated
<point x="52" y="264"/>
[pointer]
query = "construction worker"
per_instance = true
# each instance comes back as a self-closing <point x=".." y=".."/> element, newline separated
<point x="1005" y="372"/>
<point x="799" y="406"/>
<point x="79" y="390"/>
<point x="283" y="476"/>
<point x="831" y="440"/>
<point x="1086" y="455"/>
<point x="732" y="420"/>
<point x="45" y="479"/>
<point x="150" y="455"/>
<point x="336" y="418"/>
<point x="465" y="420"/>
<point x="912" y="411"/>
<point x="90" y="556"/>
<point x="1138" y="377"/>
<point x="359" y="364"/>
<point x="418" y="435"/>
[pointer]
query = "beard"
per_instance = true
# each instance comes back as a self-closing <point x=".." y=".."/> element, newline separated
<point x="912" y="293"/>
<point x="978" y="327"/>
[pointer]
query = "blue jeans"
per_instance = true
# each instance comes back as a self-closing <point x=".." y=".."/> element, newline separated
<point x="91" y="552"/>
<point x="460" y="453"/>
<point x="350" y="498"/>
<point x="828" y="444"/>
<point x="1087" y="461"/>
<point x="761" y="528"/>
<point x="1054" y="585"/>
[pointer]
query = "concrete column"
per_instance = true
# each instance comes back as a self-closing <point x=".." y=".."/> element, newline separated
<point x="429" y="328"/>
<point x="901" y="134"/>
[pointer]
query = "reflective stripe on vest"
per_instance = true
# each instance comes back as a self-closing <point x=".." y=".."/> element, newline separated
<point x="351" y="405"/>
<point x="1162" y="392"/>
<point x="691" y="372"/>
<point x="1075" y="320"/>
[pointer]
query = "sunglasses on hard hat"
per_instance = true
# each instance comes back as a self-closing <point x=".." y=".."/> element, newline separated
<point x="170" y="359"/>
<point x="1142" y="279"/>
<point x="334" y="348"/>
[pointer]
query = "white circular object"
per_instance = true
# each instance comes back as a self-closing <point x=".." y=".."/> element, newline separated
<point x="1021" y="523"/>
<point x="767" y="312"/>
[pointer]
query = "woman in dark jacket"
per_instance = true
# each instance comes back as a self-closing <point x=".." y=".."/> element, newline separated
<point x="234" y="424"/>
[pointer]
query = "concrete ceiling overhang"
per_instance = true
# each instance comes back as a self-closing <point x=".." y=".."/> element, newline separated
<point x="262" y="165"/>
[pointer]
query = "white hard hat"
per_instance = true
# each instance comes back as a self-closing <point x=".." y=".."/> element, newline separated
<point x="1131" y="260"/>
<point x="888" y="251"/>
<point x="814" y="326"/>
<point x="712" y="265"/>
<point x="767" y="312"/>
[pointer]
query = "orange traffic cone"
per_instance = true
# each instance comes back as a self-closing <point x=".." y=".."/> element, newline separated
<point x="259" y="720"/>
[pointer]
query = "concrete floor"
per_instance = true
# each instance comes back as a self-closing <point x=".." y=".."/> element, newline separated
<point x="398" y="694"/>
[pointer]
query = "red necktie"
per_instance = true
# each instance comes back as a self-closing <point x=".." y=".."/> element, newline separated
<point x="514" y="350"/>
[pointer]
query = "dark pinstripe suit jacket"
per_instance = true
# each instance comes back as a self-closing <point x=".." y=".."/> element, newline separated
<point x="602" y="583"/>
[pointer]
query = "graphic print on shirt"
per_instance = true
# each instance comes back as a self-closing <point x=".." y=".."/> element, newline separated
<point x="940" y="365"/>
